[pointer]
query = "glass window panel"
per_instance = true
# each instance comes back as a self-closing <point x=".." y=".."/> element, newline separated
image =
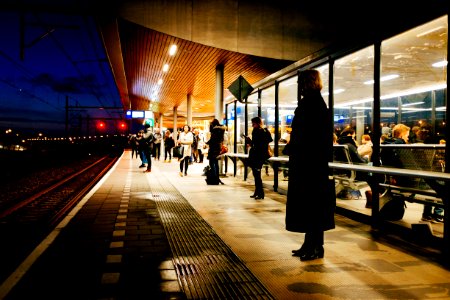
<point x="287" y="100"/>
<point x="230" y="120"/>
<point x="240" y="125"/>
<point x="352" y="98"/>
<point x="268" y="109"/>
<point x="324" y="75"/>
<point x="411" y="82"/>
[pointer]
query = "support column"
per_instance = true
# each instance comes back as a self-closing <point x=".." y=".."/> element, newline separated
<point x="161" y="120"/>
<point x="175" y="132"/>
<point x="189" y="110"/>
<point x="218" y="108"/>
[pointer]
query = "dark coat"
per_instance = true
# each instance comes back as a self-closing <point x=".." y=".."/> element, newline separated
<point x="353" y="150"/>
<point x="311" y="199"/>
<point x="215" y="141"/>
<point x="259" y="151"/>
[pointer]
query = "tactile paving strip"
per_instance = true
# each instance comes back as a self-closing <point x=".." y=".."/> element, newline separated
<point x="206" y="267"/>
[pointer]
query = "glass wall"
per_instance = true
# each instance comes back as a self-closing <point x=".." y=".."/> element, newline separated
<point x="413" y="78"/>
<point x="268" y="109"/>
<point x="287" y="102"/>
<point x="353" y="92"/>
<point x="252" y="110"/>
<point x="231" y="116"/>
<point x="240" y="125"/>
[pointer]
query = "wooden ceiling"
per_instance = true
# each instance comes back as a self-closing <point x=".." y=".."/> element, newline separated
<point x="192" y="70"/>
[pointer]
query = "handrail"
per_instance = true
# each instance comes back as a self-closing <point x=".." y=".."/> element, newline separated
<point x="392" y="171"/>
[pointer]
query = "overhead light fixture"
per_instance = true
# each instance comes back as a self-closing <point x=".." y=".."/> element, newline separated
<point x="160" y="81"/>
<point x="410" y="104"/>
<point x="440" y="64"/>
<point x="172" y="50"/>
<point x="165" y="68"/>
<point x="384" y="78"/>
<point x="429" y="31"/>
<point x="336" y="91"/>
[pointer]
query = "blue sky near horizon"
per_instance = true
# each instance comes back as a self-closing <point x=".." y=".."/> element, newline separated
<point x="67" y="62"/>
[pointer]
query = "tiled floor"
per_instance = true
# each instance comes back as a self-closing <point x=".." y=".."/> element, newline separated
<point x="356" y="265"/>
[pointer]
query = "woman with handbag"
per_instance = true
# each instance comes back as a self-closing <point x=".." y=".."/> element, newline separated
<point x="186" y="138"/>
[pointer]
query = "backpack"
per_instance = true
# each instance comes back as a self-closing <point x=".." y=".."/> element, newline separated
<point x="392" y="207"/>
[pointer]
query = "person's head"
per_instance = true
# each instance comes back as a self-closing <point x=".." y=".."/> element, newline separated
<point x="309" y="80"/>
<point x="442" y="142"/>
<point x="348" y="132"/>
<point x="146" y="127"/>
<point x="365" y="138"/>
<point x="167" y="132"/>
<point x="186" y="128"/>
<point x="215" y="123"/>
<point x="401" y="131"/>
<point x="196" y="131"/>
<point x="256" y="122"/>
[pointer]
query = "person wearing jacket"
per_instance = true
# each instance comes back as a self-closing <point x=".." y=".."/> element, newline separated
<point x="185" y="139"/>
<point x="147" y="146"/>
<point x="258" y="154"/>
<point x="311" y="198"/>
<point x="215" y="145"/>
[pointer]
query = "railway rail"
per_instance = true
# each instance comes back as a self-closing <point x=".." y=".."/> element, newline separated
<point x="28" y="217"/>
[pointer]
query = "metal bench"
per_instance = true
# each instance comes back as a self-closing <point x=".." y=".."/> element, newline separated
<point x="345" y="178"/>
<point x="423" y="157"/>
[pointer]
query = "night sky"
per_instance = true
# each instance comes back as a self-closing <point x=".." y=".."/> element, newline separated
<point x="63" y="58"/>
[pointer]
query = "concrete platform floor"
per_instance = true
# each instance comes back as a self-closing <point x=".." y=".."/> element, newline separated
<point x="356" y="265"/>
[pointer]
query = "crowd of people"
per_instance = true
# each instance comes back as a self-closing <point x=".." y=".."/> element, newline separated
<point x="148" y="144"/>
<point x="305" y="215"/>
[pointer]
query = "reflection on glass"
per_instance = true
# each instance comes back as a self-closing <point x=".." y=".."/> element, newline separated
<point x="352" y="98"/>
<point x="268" y="109"/>
<point x="416" y="95"/>
<point x="240" y="125"/>
<point x="231" y="124"/>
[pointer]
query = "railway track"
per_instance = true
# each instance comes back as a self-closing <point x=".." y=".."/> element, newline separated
<point x="25" y="221"/>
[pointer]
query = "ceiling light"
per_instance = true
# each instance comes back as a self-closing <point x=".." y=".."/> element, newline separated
<point x="165" y="68"/>
<point x="160" y="81"/>
<point x="336" y="91"/>
<point x="440" y="64"/>
<point x="172" y="50"/>
<point x="429" y="31"/>
<point x="410" y="104"/>
<point x="384" y="78"/>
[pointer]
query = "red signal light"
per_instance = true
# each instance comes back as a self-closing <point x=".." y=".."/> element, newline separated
<point x="101" y="125"/>
<point x="122" y="125"/>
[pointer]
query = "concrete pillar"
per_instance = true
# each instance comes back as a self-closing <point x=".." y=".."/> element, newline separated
<point x="218" y="108"/>
<point x="175" y="132"/>
<point x="189" y="110"/>
<point x="161" y="120"/>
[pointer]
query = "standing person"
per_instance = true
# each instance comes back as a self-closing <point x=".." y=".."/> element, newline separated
<point x="311" y="196"/>
<point x="157" y="144"/>
<point x="185" y="139"/>
<point x="134" y="145"/>
<point x="141" y="148"/>
<point x="168" y="145"/>
<point x="215" y="144"/>
<point x="259" y="153"/>
<point x="195" y="145"/>
<point x="147" y="142"/>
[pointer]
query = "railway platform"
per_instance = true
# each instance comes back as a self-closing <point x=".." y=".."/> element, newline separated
<point x="157" y="235"/>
